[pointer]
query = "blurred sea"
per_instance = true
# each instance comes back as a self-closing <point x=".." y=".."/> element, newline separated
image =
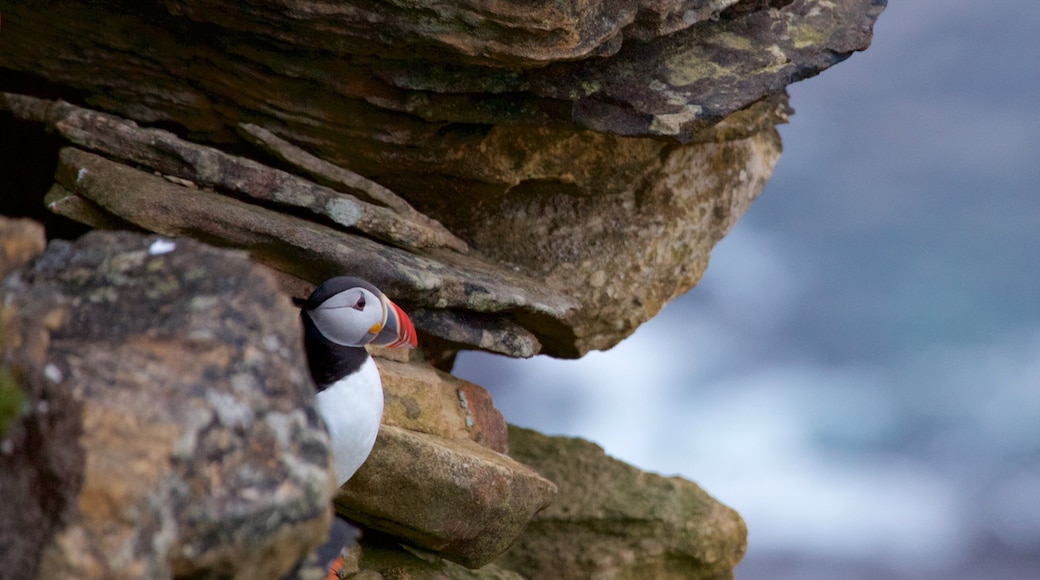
<point x="858" y="373"/>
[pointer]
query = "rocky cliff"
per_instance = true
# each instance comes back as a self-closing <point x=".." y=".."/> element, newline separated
<point x="524" y="178"/>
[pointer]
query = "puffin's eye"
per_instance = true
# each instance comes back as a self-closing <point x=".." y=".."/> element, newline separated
<point x="360" y="304"/>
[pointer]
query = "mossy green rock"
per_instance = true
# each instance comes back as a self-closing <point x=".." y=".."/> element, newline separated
<point x="611" y="520"/>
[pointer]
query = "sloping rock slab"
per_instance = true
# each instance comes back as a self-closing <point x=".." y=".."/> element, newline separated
<point x="676" y="86"/>
<point x="454" y="497"/>
<point x="203" y="452"/>
<point x="303" y="248"/>
<point x="611" y="520"/>
<point x="525" y="34"/>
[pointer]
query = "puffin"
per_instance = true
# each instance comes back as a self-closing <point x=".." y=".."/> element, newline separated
<point x="340" y="317"/>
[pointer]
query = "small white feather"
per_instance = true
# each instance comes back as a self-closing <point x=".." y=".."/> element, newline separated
<point x="160" y="247"/>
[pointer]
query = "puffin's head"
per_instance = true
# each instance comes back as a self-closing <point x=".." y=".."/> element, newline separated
<point x="352" y="312"/>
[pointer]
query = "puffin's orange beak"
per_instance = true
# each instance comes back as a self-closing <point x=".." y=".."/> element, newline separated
<point x="398" y="331"/>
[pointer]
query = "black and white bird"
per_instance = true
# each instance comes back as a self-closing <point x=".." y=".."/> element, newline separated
<point x="340" y="317"/>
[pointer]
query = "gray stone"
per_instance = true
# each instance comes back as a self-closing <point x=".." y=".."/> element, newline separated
<point x="202" y="453"/>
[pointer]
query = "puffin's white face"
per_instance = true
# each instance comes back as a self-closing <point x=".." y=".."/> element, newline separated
<point x="353" y="317"/>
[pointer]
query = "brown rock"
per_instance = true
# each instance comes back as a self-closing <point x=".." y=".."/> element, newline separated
<point x="527" y="34"/>
<point x="459" y="499"/>
<point x="20" y="241"/>
<point x="421" y="398"/>
<point x="696" y="195"/>
<point x="41" y="465"/>
<point x="611" y="520"/>
<point x="629" y="233"/>
<point x="201" y="451"/>
<point x="545" y="147"/>
<point x="676" y="86"/>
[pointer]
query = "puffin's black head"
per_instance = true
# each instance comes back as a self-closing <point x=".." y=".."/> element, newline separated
<point x="339" y="318"/>
<point x="352" y="312"/>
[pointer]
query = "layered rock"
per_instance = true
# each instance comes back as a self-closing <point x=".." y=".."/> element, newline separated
<point x="453" y="497"/>
<point x="438" y="477"/>
<point x="423" y="399"/>
<point x="599" y="149"/>
<point x="463" y="294"/>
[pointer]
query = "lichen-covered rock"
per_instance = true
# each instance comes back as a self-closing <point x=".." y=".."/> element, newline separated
<point x="601" y="147"/>
<point x="421" y="398"/>
<point x="629" y="233"/>
<point x="202" y="453"/>
<point x="527" y="34"/>
<point x="611" y="520"/>
<point x="451" y="496"/>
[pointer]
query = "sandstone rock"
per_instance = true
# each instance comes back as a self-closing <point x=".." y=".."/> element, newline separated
<point x="612" y="521"/>
<point x="454" y="497"/>
<point x="421" y="398"/>
<point x="201" y="452"/>
<point x="561" y="137"/>
<point x="461" y="329"/>
<point x="41" y="467"/>
<point x="629" y="234"/>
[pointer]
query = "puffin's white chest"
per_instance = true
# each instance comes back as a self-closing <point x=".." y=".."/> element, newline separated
<point x="352" y="409"/>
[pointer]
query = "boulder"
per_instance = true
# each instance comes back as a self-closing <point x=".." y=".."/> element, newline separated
<point x="450" y="496"/>
<point x="200" y="452"/>
<point x="611" y="520"/>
